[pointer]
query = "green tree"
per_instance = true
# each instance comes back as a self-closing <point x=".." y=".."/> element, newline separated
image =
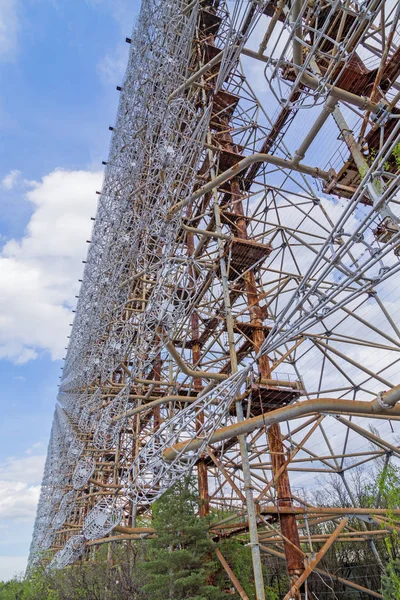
<point x="180" y="562"/>
<point x="238" y="555"/>
<point x="35" y="588"/>
<point x="389" y="489"/>
<point x="391" y="581"/>
<point x="15" y="589"/>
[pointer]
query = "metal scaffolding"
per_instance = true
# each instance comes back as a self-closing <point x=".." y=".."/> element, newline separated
<point x="241" y="275"/>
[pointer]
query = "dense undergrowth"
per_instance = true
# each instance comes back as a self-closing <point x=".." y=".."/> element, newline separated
<point x="180" y="562"/>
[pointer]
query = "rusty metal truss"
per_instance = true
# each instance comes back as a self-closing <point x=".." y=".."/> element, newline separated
<point x="239" y="312"/>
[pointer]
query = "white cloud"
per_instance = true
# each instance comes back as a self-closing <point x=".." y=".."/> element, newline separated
<point x="19" y="489"/>
<point x="11" y="566"/>
<point x="25" y="471"/>
<point x="40" y="272"/>
<point x="11" y="179"/>
<point x="19" y="495"/>
<point x="9" y="26"/>
<point x="18" y="501"/>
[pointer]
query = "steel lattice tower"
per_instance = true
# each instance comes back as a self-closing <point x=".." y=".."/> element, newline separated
<point x="238" y="313"/>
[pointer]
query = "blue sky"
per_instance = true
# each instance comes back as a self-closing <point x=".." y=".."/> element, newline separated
<point x="59" y="65"/>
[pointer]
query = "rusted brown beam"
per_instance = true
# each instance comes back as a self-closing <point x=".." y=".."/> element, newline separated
<point x="226" y="474"/>
<point x="331" y="577"/>
<point x="118" y="538"/>
<point x="133" y="530"/>
<point x="231" y="575"/>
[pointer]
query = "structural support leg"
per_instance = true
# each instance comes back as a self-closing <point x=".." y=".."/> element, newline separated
<point x="251" y="510"/>
<point x="294" y="556"/>
<point x="232" y="576"/>
<point x="202" y="475"/>
<point x="309" y="569"/>
<point x="290" y="533"/>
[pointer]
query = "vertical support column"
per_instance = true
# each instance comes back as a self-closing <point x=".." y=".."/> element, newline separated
<point x="294" y="556"/>
<point x="250" y="504"/>
<point x="157" y="369"/>
<point x="251" y="510"/>
<point x="202" y="475"/>
<point x="290" y="533"/>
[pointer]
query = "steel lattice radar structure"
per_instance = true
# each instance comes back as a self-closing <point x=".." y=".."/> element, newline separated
<point x="239" y="312"/>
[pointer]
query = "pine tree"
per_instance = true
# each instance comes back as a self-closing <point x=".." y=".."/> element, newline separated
<point x="391" y="580"/>
<point x="180" y="559"/>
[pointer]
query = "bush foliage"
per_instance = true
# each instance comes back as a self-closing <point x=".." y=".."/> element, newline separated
<point x="180" y="562"/>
